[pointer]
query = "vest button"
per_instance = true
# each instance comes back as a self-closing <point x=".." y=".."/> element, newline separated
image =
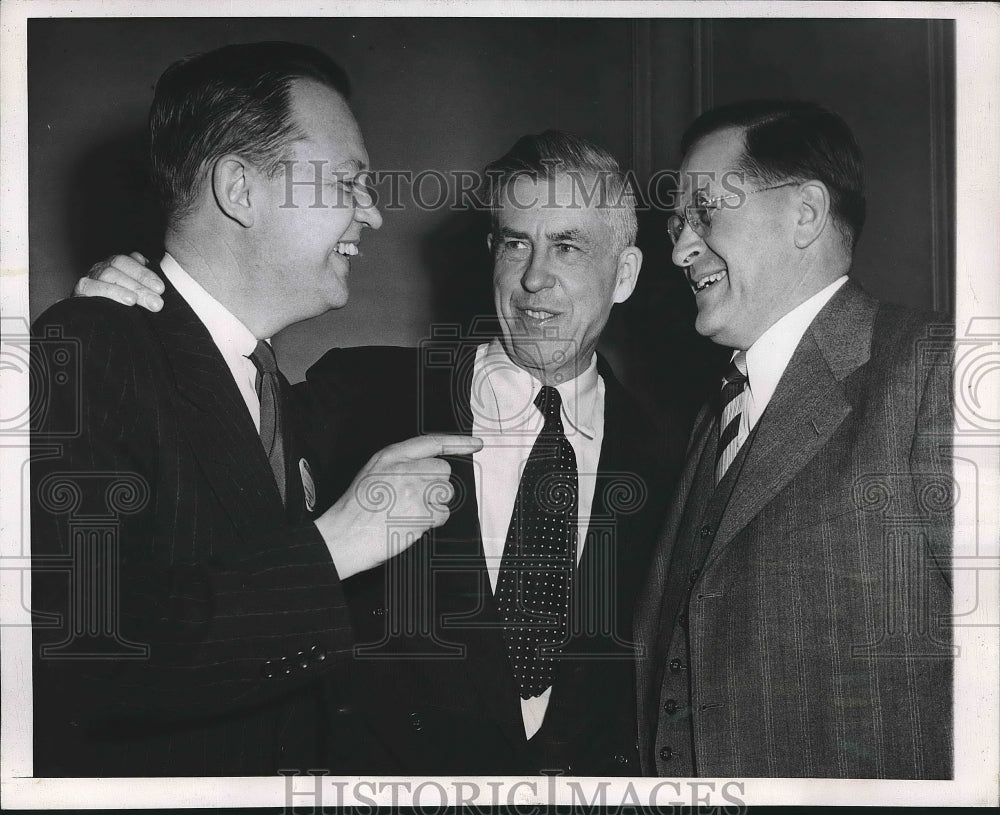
<point x="676" y="665"/>
<point x="670" y="706"/>
<point x="666" y="753"/>
<point x="705" y="531"/>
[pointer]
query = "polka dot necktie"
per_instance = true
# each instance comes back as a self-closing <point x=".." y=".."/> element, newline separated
<point x="268" y="386"/>
<point x="731" y="431"/>
<point x="539" y="556"/>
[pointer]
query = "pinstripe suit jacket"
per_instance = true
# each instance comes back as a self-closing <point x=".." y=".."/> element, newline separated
<point x="183" y="623"/>
<point x="432" y="688"/>
<point x="817" y="632"/>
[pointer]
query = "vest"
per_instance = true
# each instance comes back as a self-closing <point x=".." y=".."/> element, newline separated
<point x="673" y="748"/>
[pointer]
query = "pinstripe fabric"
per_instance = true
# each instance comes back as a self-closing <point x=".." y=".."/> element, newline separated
<point x="816" y="629"/>
<point x="213" y="577"/>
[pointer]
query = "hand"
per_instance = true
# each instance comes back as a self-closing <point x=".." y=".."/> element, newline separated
<point x="123" y="278"/>
<point x="404" y="482"/>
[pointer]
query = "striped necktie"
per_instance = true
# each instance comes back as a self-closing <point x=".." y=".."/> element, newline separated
<point x="268" y="386"/>
<point x="731" y="431"/>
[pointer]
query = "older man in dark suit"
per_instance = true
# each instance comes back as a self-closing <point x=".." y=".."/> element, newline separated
<point x="796" y="618"/>
<point x="501" y="643"/>
<point x="188" y="601"/>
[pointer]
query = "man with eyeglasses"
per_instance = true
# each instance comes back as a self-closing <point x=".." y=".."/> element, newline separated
<point x="795" y="618"/>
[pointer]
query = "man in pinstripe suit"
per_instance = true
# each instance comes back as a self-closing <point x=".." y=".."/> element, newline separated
<point x="189" y="617"/>
<point x="795" y="621"/>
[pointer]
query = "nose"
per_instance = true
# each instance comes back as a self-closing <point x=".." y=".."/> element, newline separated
<point x="536" y="275"/>
<point x="365" y="211"/>
<point x="688" y="247"/>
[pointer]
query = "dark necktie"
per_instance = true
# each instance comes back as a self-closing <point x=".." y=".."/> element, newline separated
<point x="539" y="556"/>
<point x="268" y="386"/>
<point x="731" y="436"/>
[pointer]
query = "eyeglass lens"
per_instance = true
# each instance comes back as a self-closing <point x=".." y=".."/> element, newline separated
<point x="698" y="216"/>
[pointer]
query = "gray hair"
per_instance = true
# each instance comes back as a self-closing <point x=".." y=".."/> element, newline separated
<point x="554" y="152"/>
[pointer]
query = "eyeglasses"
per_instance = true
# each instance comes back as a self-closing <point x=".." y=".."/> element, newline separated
<point x="698" y="214"/>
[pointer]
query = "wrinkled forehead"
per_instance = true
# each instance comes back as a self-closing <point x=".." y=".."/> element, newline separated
<point x="571" y="199"/>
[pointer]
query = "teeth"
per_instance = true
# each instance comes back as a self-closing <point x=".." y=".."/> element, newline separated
<point x="348" y="249"/>
<point x="538" y="315"/>
<point x="705" y="282"/>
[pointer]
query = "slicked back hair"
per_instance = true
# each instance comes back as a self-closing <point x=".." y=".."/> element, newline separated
<point x="596" y="172"/>
<point x="235" y="99"/>
<point x="795" y="141"/>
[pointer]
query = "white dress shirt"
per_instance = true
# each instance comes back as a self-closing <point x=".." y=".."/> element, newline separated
<point x="231" y="337"/>
<point x="506" y="419"/>
<point x="768" y="358"/>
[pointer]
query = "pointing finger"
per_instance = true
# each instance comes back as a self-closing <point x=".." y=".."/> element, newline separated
<point x="434" y="444"/>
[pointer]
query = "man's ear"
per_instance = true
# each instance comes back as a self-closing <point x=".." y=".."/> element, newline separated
<point x="629" y="264"/>
<point x="232" y="178"/>
<point x="813" y="213"/>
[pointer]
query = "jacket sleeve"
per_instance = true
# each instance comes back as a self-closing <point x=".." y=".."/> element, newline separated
<point x="138" y="631"/>
<point x="931" y="460"/>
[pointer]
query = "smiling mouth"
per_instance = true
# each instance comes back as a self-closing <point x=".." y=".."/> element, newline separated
<point x="707" y="281"/>
<point x="538" y="314"/>
<point x="347" y="249"/>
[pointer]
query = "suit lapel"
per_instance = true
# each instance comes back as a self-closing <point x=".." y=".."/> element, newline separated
<point x="649" y="606"/>
<point x="214" y="416"/>
<point x="807" y="407"/>
<point x="475" y="624"/>
<point x="595" y="575"/>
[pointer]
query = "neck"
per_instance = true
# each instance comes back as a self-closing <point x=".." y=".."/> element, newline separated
<point x="218" y="270"/>
<point x="817" y="273"/>
<point x="551" y="374"/>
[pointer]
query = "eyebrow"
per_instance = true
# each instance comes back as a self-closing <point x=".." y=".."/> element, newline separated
<point x="576" y="235"/>
<point x="351" y="165"/>
<point x="564" y="235"/>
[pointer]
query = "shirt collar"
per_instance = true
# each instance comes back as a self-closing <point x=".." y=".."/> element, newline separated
<point x="503" y="393"/>
<point x="230" y="335"/>
<point x="768" y="357"/>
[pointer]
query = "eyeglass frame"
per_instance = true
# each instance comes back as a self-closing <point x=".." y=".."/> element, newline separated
<point x="710" y="205"/>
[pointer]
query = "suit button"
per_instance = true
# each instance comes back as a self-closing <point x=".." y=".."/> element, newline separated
<point x="285" y="665"/>
<point x="317" y="654"/>
<point x="621" y="759"/>
<point x="705" y="531"/>
<point x="267" y="670"/>
<point x="676" y="665"/>
<point x="378" y="612"/>
<point x="415" y="721"/>
<point x="670" y="706"/>
<point x="666" y="753"/>
<point x="302" y="660"/>
<point x="693" y="576"/>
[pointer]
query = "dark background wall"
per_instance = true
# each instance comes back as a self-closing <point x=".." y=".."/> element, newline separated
<point x="452" y="94"/>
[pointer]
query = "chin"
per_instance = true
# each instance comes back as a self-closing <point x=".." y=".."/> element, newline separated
<point x="337" y="298"/>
